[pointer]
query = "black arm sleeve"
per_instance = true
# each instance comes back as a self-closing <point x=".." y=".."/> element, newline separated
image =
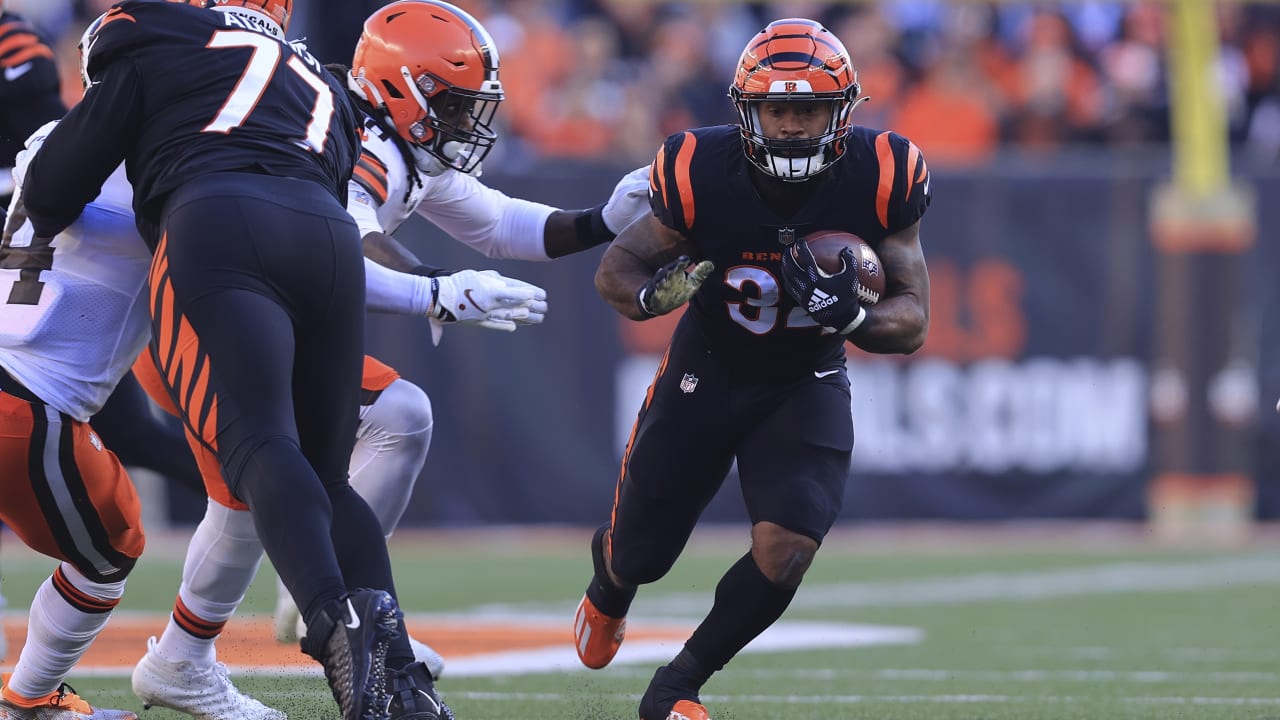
<point x="83" y="150"/>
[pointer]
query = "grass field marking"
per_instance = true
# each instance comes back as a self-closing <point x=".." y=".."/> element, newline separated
<point x="1153" y="677"/>
<point x="475" y="647"/>
<point x="1012" y="586"/>
<point x="1187" y="655"/>
<point x="1110" y="578"/>
<point x="941" y="699"/>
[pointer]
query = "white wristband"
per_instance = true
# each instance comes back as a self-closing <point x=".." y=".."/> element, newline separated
<point x="862" y="315"/>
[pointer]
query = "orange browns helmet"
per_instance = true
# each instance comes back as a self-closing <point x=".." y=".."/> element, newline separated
<point x="795" y="60"/>
<point x="433" y="69"/>
<point x="278" y="10"/>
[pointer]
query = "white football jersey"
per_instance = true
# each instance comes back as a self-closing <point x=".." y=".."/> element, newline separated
<point x="382" y="195"/>
<point x="70" y="333"/>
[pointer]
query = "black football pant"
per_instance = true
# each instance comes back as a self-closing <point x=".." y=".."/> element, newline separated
<point x="793" y="442"/>
<point x="266" y="275"/>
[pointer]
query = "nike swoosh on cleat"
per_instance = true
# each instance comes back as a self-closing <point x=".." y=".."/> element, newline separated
<point x="824" y="373"/>
<point x="355" y="619"/>
<point x="17" y="71"/>
<point x="467" y="292"/>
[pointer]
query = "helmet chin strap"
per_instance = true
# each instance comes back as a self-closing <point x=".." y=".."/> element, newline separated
<point x="432" y="166"/>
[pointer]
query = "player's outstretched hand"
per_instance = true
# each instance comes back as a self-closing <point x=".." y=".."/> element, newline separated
<point x="485" y="298"/>
<point x="629" y="201"/>
<point x="831" y="300"/>
<point x="672" y="285"/>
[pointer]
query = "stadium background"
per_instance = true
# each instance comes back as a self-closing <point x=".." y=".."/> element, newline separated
<point x="1080" y="364"/>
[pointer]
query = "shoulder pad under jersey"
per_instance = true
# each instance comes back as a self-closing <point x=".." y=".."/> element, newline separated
<point x="672" y="176"/>
<point x="903" y="192"/>
<point x="130" y="25"/>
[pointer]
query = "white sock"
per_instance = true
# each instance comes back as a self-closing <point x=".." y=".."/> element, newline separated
<point x="222" y="559"/>
<point x="391" y="448"/>
<point x="67" y="613"/>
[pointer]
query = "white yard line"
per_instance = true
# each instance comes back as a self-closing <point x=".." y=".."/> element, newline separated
<point x="947" y="699"/>
<point x="1011" y="586"/>
<point x="1152" y="677"/>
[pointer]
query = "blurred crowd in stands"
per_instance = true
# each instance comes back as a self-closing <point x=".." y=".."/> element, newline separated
<point x="964" y="79"/>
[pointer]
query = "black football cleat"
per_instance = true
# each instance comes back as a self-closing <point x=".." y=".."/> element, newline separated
<point x="350" y="637"/>
<point x="667" y="698"/>
<point x="413" y="695"/>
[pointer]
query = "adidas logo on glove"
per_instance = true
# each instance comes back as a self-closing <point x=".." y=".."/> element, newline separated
<point x="819" y="300"/>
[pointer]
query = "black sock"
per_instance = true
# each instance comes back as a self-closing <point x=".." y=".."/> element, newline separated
<point x="687" y="671"/>
<point x="746" y="604"/>
<point x="608" y="598"/>
<point x="362" y="555"/>
<point x="292" y="514"/>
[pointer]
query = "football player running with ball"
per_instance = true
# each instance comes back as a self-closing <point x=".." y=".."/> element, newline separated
<point x="755" y="371"/>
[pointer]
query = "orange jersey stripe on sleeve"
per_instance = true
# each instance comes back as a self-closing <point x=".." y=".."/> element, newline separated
<point x="19" y="44"/>
<point x="377" y="188"/>
<point x="373" y="162"/>
<point x="684" y="158"/>
<point x="32" y="52"/>
<point x="913" y="154"/>
<point x="658" y="177"/>
<point x="887" y="170"/>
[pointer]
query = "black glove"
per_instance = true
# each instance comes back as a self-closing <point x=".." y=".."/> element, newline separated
<point x="831" y="300"/>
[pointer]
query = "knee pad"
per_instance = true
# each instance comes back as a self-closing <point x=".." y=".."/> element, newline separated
<point x="391" y="448"/>
<point x="401" y="410"/>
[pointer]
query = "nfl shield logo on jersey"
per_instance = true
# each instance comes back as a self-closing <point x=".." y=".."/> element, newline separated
<point x="786" y="235"/>
<point x="689" y="382"/>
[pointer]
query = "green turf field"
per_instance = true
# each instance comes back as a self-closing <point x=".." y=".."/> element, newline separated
<point x="1007" y="627"/>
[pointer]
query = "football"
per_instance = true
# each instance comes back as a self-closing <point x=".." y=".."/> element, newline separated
<point x="826" y="246"/>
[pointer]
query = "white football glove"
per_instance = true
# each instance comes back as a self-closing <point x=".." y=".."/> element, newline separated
<point x="484" y="298"/>
<point x="629" y="201"/>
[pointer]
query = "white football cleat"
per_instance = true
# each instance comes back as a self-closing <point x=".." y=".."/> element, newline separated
<point x="288" y="621"/>
<point x="427" y="655"/>
<point x="205" y="693"/>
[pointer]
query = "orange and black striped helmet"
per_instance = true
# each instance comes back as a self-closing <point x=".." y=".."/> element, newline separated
<point x="433" y="69"/>
<point x="278" y="10"/>
<point x="795" y="60"/>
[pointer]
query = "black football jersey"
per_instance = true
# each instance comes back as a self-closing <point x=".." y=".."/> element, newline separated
<point x="30" y="93"/>
<point x="701" y="188"/>
<point x="180" y="91"/>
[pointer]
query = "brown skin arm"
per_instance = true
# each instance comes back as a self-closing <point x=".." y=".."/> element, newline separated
<point x="900" y="321"/>
<point x="389" y="252"/>
<point x="559" y="235"/>
<point x="633" y="257"/>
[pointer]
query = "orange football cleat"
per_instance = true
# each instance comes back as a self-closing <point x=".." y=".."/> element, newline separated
<point x="61" y="704"/>
<point x="596" y="636"/>
<point x="688" y="710"/>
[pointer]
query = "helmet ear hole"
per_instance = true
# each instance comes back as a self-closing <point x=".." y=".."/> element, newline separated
<point x="392" y="90"/>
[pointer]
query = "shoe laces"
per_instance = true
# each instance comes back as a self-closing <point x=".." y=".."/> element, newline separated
<point x="65" y="697"/>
